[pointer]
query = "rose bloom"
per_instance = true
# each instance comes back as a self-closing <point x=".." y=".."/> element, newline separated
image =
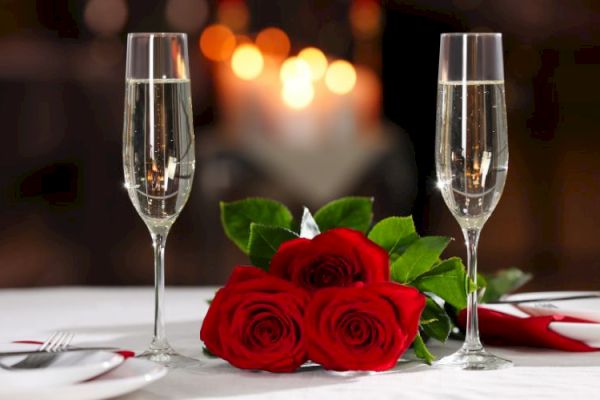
<point x="256" y="322"/>
<point x="338" y="257"/>
<point x="362" y="328"/>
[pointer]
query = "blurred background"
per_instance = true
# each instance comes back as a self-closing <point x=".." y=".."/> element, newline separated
<point x="353" y="114"/>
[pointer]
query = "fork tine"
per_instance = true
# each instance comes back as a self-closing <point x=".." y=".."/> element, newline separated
<point x="50" y="347"/>
<point x="50" y="340"/>
<point x="57" y="342"/>
<point x="63" y="342"/>
<point x="68" y="339"/>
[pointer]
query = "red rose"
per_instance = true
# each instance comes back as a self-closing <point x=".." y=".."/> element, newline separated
<point x="364" y="328"/>
<point x="256" y="322"/>
<point x="338" y="257"/>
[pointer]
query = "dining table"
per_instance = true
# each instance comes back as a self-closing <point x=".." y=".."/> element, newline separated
<point x="122" y="317"/>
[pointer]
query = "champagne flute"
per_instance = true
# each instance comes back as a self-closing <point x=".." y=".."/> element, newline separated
<point x="158" y="153"/>
<point x="471" y="157"/>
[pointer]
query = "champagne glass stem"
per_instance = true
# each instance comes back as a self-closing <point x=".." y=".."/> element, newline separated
<point x="472" y="342"/>
<point x="159" y="341"/>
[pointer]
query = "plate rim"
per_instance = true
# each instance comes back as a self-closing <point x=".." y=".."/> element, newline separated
<point x="152" y="375"/>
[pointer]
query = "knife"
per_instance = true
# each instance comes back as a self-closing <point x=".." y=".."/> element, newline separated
<point x="546" y="299"/>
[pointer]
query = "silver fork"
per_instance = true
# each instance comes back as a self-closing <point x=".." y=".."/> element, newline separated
<point x="57" y="342"/>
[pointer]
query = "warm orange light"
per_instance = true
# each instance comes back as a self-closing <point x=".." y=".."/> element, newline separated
<point x="295" y="69"/>
<point x="297" y="90"/>
<point x="234" y="14"/>
<point x="340" y="77"/>
<point x="297" y="93"/>
<point x="365" y="18"/>
<point x="217" y="42"/>
<point x="243" y="39"/>
<point x="274" y="42"/>
<point x="247" y="62"/>
<point x="316" y="61"/>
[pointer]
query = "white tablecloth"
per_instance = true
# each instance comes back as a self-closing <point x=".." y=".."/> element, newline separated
<point x="123" y="317"/>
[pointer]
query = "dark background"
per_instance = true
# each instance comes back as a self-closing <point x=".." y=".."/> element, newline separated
<point x="66" y="219"/>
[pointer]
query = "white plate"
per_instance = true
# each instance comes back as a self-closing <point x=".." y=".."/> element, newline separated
<point x="65" y="368"/>
<point x="131" y="375"/>
<point x="588" y="333"/>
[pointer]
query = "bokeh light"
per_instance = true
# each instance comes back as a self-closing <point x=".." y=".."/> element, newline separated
<point x="295" y="68"/>
<point x="274" y="42"/>
<point x="340" y="77"/>
<point x="247" y="62"/>
<point x="297" y="93"/>
<point x="105" y="17"/>
<point x="187" y="15"/>
<point x="316" y="61"/>
<point x="365" y="18"/>
<point x="217" y="42"/>
<point x="234" y="14"/>
<point x="297" y="90"/>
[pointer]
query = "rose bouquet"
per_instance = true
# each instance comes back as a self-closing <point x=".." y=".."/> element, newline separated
<point x="331" y="288"/>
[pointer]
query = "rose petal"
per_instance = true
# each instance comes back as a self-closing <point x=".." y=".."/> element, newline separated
<point x="255" y="322"/>
<point x="285" y="255"/>
<point x="359" y="328"/>
<point x="338" y="257"/>
<point x="408" y="302"/>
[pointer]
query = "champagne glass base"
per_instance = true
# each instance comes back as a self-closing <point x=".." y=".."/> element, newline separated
<point x="170" y="358"/>
<point x="474" y="360"/>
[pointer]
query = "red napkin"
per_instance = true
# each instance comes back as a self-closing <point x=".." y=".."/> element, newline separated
<point x="500" y="329"/>
<point x="125" y="353"/>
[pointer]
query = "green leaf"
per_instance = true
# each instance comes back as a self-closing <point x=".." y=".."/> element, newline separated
<point x="503" y="282"/>
<point x="264" y="242"/>
<point x="237" y="216"/>
<point x="422" y="351"/>
<point x="394" y="234"/>
<point x="347" y="212"/>
<point x="435" y="322"/>
<point x="481" y="282"/>
<point x="447" y="280"/>
<point x="418" y="258"/>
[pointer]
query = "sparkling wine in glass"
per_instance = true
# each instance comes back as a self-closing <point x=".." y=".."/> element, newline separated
<point x="471" y="157"/>
<point x="158" y="153"/>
